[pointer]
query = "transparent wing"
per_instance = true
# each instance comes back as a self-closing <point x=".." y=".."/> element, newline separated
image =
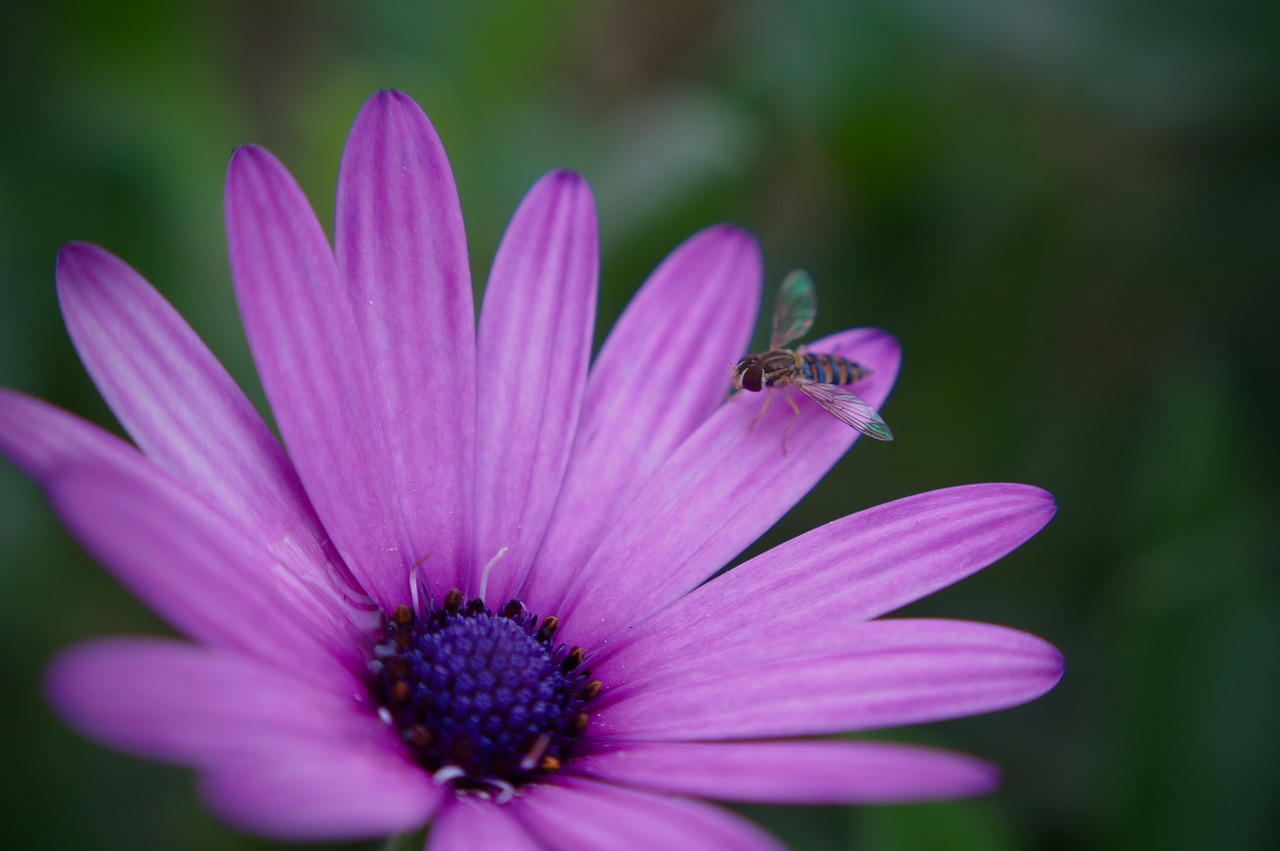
<point x="847" y="408"/>
<point x="797" y="306"/>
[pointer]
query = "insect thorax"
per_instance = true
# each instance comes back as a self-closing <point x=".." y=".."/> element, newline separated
<point x="780" y="365"/>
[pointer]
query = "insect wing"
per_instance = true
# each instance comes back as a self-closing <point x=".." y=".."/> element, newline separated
<point x="796" y="308"/>
<point x="847" y="408"/>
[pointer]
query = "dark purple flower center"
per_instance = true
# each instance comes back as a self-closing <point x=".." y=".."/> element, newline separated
<point x="486" y="702"/>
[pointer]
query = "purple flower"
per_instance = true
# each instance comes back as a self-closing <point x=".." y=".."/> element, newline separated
<point x="475" y="591"/>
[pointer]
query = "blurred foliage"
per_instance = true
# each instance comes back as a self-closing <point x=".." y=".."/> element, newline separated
<point x="1069" y="212"/>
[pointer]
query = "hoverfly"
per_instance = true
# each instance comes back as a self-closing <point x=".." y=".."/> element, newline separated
<point x="819" y="376"/>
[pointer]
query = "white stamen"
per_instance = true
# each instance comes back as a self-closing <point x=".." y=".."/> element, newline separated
<point x="484" y="574"/>
<point x="447" y="773"/>
<point x="505" y="790"/>
<point x="346" y="591"/>
<point x="413" y="583"/>
<point x="384" y="715"/>
<point x="534" y="756"/>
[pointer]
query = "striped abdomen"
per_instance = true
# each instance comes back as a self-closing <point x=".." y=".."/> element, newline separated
<point x="831" y="369"/>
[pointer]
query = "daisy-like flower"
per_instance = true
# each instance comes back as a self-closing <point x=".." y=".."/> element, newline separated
<point x="474" y="593"/>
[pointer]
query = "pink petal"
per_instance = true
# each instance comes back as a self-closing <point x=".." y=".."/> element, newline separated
<point x="835" y="678"/>
<point x="723" y="488"/>
<point x="662" y="371"/>
<point x="813" y="772"/>
<point x="168" y="700"/>
<point x="402" y="253"/>
<point x="469" y="824"/>
<point x="852" y="569"/>
<point x="297" y="791"/>
<point x="582" y="815"/>
<point x="44" y="441"/>
<point x="278" y="756"/>
<point x="58" y="449"/>
<point x="305" y="341"/>
<point x="535" y="342"/>
<point x="197" y="570"/>
<point x="187" y="415"/>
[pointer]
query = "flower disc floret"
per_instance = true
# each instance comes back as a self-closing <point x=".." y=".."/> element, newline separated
<point x="486" y="702"/>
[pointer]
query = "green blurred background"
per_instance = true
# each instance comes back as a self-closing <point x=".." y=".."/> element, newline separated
<point x="1068" y="212"/>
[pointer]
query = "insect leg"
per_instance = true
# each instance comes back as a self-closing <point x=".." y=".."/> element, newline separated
<point x="768" y="399"/>
<point x="790" y="425"/>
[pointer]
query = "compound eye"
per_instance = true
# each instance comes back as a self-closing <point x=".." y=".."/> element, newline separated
<point x="753" y="377"/>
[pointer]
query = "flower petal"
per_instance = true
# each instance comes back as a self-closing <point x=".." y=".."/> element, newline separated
<point x="187" y="415"/>
<point x="45" y="441"/>
<point x="281" y="757"/>
<point x="172" y="701"/>
<point x="836" y="678"/>
<point x="304" y="791"/>
<point x="580" y="814"/>
<point x="723" y="488"/>
<point x="197" y="570"/>
<point x="535" y="343"/>
<point x="855" y="568"/>
<point x="304" y="338"/>
<point x="689" y="322"/>
<point x="402" y="253"/>
<point x="76" y="462"/>
<point x="469" y="824"/>
<point x="821" y="772"/>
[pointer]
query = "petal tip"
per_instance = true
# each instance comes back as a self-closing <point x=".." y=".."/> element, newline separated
<point x="565" y="187"/>
<point x="734" y="235"/>
<point x="1033" y="497"/>
<point x="70" y="267"/>
<point x="565" y="177"/>
<point x="884" y="338"/>
<point x="563" y="181"/>
<point x="1037" y="505"/>
<point x="390" y="108"/>
<point x="240" y="152"/>
<point x="881" y="351"/>
<point x="247" y="156"/>
<point x="64" y="678"/>
<point x="986" y="779"/>
<point x="70" y="251"/>
<point x="392" y="98"/>
<point x="1046" y="502"/>
<point x="1051" y="667"/>
<point x="1058" y="667"/>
